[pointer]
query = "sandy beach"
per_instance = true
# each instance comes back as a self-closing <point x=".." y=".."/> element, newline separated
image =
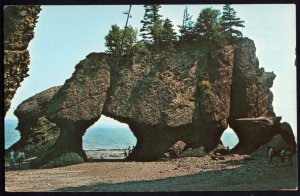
<point x="235" y="173"/>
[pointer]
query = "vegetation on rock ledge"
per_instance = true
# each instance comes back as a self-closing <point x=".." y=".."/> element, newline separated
<point x="211" y="29"/>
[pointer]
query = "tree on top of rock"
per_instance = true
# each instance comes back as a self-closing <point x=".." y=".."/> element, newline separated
<point x="187" y="28"/>
<point x="168" y="35"/>
<point x="164" y="36"/>
<point x="151" y="17"/>
<point x="208" y="26"/>
<point x="114" y="38"/>
<point x="156" y="32"/>
<point x="229" y="21"/>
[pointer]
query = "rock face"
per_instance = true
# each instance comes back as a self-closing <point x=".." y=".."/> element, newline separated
<point x="18" y="30"/>
<point x="251" y="113"/>
<point x="38" y="134"/>
<point x="251" y="95"/>
<point x="163" y="100"/>
<point x="254" y="132"/>
<point x="285" y="130"/>
<point x="189" y="97"/>
<point x="74" y="114"/>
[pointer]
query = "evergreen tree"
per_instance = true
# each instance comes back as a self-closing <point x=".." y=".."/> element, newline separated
<point x="229" y="21"/>
<point x="151" y="17"/>
<point x="187" y="28"/>
<point x="208" y="26"/>
<point x="156" y="32"/>
<point x="168" y="35"/>
<point x="114" y="38"/>
<point x="130" y="39"/>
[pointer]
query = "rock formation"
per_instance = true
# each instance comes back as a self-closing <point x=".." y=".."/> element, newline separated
<point x="38" y="134"/>
<point x="251" y="95"/>
<point x="189" y="97"/>
<point x="18" y="30"/>
<point x="254" y="132"/>
<point x="73" y="114"/>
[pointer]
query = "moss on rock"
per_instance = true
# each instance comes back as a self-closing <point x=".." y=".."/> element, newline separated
<point x="64" y="160"/>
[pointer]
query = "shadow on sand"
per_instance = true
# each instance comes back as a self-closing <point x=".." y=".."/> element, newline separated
<point x="247" y="177"/>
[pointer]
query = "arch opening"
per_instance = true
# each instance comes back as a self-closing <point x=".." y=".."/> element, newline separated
<point x="108" y="139"/>
<point x="229" y="138"/>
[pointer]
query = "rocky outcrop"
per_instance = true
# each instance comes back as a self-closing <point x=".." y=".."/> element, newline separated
<point x="37" y="133"/>
<point x="73" y="114"/>
<point x="251" y="95"/>
<point x="18" y="29"/>
<point x="277" y="142"/>
<point x="251" y="113"/>
<point x="189" y="97"/>
<point x="254" y="132"/>
<point x="163" y="100"/>
<point x="285" y="130"/>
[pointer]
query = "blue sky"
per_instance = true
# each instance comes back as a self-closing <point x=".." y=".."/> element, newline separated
<point x="65" y="35"/>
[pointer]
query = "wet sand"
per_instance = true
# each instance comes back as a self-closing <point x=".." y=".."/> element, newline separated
<point x="107" y="172"/>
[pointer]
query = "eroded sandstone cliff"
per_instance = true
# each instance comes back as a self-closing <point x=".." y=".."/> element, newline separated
<point x="18" y="30"/>
<point x="191" y="97"/>
<point x="37" y="133"/>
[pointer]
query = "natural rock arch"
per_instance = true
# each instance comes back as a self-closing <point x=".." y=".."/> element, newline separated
<point x="184" y="98"/>
<point x="160" y="106"/>
<point x="165" y="100"/>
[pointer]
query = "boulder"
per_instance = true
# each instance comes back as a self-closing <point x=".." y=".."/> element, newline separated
<point x="220" y="149"/>
<point x="175" y="149"/>
<point x="196" y="152"/>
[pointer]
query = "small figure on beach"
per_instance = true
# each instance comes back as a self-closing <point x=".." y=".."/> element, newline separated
<point x="125" y="152"/>
<point x="129" y="150"/>
<point x="20" y="158"/>
<point x="270" y="154"/>
<point x="282" y="155"/>
<point x="227" y="149"/>
<point x="12" y="158"/>
<point x="289" y="156"/>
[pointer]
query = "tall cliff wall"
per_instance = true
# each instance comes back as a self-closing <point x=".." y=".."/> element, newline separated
<point x="18" y="27"/>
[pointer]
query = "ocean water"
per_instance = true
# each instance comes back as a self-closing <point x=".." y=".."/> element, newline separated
<point x="105" y="137"/>
<point x="229" y="138"/>
<point x="11" y="135"/>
